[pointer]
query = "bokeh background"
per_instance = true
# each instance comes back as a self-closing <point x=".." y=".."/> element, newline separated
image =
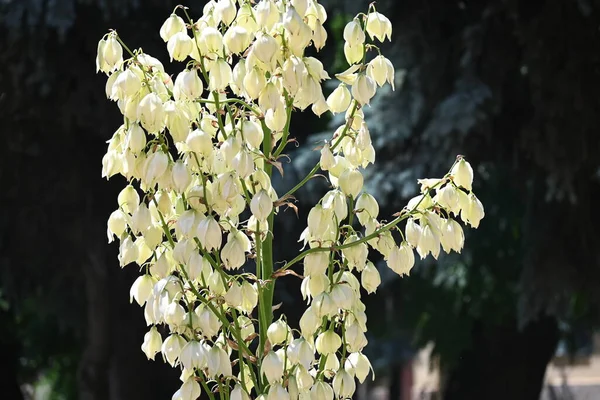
<point x="511" y="84"/>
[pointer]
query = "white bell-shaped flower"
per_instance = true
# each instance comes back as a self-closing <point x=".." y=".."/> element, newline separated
<point x="328" y="342"/>
<point x="141" y="289"/>
<point x="220" y="75"/>
<point x="363" y="89"/>
<point x="277" y="332"/>
<point x="151" y="113"/>
<point x="171" y="348"/>
<point x="370" y="278"/>
<point x="188" y="86"/>
<point x="152" y="343"/>
<point x="209" y="233"/>
<point x="353" y="33"/>
<point x="343" y="384"/>
<point x="339" y="100"/>
<point x="358" y="365"/>
<point x="173" y="25"/>
<point x="379" y="26"/>
<point x="272" y="367"/>
<point x="261" y="205"/>
<point x="462" y="174"/>
<point x="321" y="391"/>
<point x="180" y="46"/>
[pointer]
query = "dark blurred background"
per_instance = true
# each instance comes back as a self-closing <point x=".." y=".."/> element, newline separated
<point x="511" y="84"/>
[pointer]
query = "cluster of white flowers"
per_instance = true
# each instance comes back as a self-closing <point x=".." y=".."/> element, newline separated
<point x="198" y="152"/>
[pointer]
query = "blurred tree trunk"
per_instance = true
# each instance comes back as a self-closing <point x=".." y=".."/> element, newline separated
<point x="504" y="362"/>
<point x="93" y="368"/>
<point x="9" y="348"/>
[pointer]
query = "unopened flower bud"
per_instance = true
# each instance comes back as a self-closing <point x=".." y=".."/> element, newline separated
<point x="275" y="119"/>
<point x="136" y="138"/>
<point x="218" y="362"/>
<point x="174" y="314"/>
<point x="128" y="199"/>
<point x="319" y="36"/>
<point x="453" y="237"/>
<point x="215" y="284"/>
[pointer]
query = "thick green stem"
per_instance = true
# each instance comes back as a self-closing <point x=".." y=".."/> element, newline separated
<point x="265" y="261"/>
